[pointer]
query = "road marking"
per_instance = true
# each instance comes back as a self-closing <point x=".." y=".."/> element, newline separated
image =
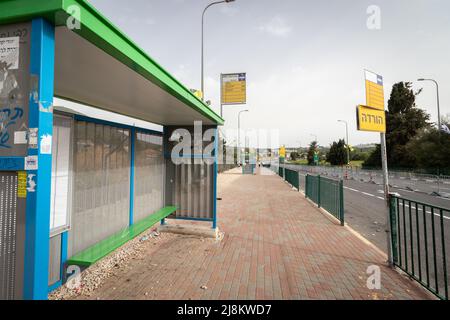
<point x="427" y="211"/>
<point x="368" y="194"/>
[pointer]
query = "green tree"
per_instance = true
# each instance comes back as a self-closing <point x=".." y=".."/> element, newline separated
<point x="403" y="121"/>
<point x="337" y="156"/>
<point x="311" y="151"/>
<point x="429" y="152"/>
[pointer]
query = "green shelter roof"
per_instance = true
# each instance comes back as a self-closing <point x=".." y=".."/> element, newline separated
<point x="98" y="37"/>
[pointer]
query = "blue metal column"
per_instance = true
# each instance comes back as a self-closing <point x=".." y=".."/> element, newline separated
<point x="163" y="221"/>
<point x="37" y="228"/>
<point x="133" y="154"/>
<point x="216" y="157"/>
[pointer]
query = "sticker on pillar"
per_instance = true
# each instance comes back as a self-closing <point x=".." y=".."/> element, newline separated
<point x="31" y="184"/>
<point x="31" y="163"/>
<point x="22" y="184"/>
<point x="33" y="138"/>
<point x="9" y="52"/>
<point x="46" y="144"/>
<point x="20" y="137"/>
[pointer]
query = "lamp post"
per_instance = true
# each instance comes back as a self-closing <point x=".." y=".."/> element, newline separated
<point x="438" y="108"/>
<point x="203" y="48"/>
<point x="239" y="134"/>
<point x="346" y="141"/>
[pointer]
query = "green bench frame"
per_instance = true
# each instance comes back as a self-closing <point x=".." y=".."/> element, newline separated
<point x="101" y="249"/>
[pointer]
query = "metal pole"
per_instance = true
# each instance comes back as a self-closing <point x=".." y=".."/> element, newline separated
<point x="203" y="47"/>
<point x="439" y="109"/>
<point x="348" y="143"/>
<point x="239" y="134"/>
<point x="239" y="138"/>
<point x="386" y="194"/>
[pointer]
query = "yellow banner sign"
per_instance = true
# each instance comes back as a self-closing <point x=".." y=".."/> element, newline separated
<point x="21" y="184"/>
<point x="234" y="88"/>
<point x="374" y="90"/>
<point x="282" y="152"/>
<point x="371" y="119"/>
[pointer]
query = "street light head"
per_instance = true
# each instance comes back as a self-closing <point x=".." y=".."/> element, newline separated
<point x="229" y="1"/>
<point x="421" y="79"/>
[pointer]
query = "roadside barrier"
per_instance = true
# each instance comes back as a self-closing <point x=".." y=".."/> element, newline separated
<point x="327" y="194"/>
<point x="419" y="242"/>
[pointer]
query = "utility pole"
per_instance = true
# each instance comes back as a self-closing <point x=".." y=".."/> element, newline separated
<point x="346" y="140"/>
<point x="384" y="165"/>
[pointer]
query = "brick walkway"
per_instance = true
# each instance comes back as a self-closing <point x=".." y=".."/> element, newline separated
<point x="276" y="246"/>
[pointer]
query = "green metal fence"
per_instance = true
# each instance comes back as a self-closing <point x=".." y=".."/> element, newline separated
<point x="418" y="242"/>
<point x="291" y="176"/>
<point x="327" y="194"/>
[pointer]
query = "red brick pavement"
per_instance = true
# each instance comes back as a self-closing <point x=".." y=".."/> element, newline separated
<point x="277" y="245"/>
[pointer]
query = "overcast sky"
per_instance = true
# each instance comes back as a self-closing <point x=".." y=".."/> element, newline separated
<point x="304" y="59"/>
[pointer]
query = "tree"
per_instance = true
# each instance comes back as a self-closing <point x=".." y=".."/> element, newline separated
<point x="430" y="153"/>
<point x="337" y="156"/>
<point x="311" y="151"/>
<point x="403" y="121"/>
<point x="295" y="156"/>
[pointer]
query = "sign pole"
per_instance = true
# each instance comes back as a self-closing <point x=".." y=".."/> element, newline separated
<point x="386" y="194"/>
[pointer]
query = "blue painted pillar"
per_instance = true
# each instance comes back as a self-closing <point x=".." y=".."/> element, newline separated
<point x="163" y="221"/>
<point x="215" y="169"/>
<point x="132" y="167"/>
<point x="37" y="227"/>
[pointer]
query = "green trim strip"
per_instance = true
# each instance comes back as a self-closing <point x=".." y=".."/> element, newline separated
<point x="105" y="247"/>
<point x="98" y="30"/>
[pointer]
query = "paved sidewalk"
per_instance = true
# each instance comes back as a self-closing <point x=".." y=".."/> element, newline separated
<point x="277" y="245"/>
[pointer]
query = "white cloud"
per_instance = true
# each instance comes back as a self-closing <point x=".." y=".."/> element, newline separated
<point x="277" y="27"/>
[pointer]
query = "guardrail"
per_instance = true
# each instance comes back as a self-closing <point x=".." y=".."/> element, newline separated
<point x="418" y="242"/>
<point x="327" y="194"/>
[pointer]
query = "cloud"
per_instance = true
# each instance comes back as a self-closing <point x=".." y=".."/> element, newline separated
<point x="277" y="27"/>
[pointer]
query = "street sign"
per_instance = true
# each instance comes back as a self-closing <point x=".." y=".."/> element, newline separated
<point x="369" y="119"/>
<point x="283" y="152"/>
<point x="374" y="90"/>
<point x="234" y="88"/>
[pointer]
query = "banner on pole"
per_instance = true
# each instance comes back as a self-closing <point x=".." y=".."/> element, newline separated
<point x="374" y="90"/>
<point x="234" y="88"/>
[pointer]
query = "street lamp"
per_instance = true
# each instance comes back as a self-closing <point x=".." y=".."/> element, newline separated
<point x="346" y="134"/>
<point x="239" y="133"/>
<point x="439" y="111"/>
<point x="203" y="50"/>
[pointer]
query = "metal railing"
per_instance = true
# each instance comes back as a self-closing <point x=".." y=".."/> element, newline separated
<point x="419" y="242"/>
<point x="327" y="194"/>
<point x="292" y="178"/>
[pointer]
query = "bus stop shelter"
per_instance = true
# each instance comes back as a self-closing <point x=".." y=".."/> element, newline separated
<point x="75" y="187"/>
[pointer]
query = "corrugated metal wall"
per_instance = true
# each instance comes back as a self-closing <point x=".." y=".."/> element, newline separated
<point x="54" y="269"/>
<point x="8" y="220"/>
<point x="101" y="184"/>
<point x="148" y="175"/>
<point x="193" y="193"/>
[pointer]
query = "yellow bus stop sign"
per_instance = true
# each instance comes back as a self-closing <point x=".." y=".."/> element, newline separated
<point x="370" y="119"/>
<point x="282" y="152"/>
<point x="234" y="88"/>
<point x="374" y="90"/>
